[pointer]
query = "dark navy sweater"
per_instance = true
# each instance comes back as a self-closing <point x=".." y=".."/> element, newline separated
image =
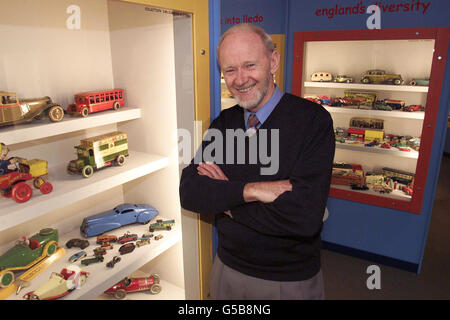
<point x="277" y="241"/>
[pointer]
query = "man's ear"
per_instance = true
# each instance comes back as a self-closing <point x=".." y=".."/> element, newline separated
<point x="274" y="62"/>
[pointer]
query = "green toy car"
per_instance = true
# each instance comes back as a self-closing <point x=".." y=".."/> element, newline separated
<point x="26" y="253"/>
<point x="87" y="262"/>
<point x="380" y="76"/>
<point x="161" y="225"/>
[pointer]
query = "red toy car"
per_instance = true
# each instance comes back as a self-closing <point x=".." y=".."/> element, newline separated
<point x="127" y="237"/>
<point x="127" y="285"/>
<point x="413" y="107"/>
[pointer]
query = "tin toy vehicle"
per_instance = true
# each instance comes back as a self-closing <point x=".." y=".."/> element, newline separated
<point x="113" y="262"/>
<point x="95" y="259"/>
<point x="380" y="76"/>
<point x="318" y="98"/>
<point x="95" y="101"/>
<point x="13" y="183"/>
<point x="161" y="225"/>
<point x="395" y="104"/>
<point x="127" y="237"/>
<point x="127" y="248"/>
<point x="123" y="214"/>
<point x="82" y="244"/>
<point x="15" y="111"/>
<point x="26" y="253"/>
<point x="420" y="82"/>
<point x="128" y="285"/>
<point x="77" y="256"/>
<point x="98" y="152"/>
<point x="99" y="251"/>
<point x="343" y="78"/>
<point x="59" y="284"/>
<point x="321" y="76"/>
<point x="413" y="107"/>
<point x="141" y="243"/>
<point x="106" y="238"/>
<point x="158" y="237"/>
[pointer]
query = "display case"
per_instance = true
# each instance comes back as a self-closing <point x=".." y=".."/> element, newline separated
<point x="383" y="95"/>
<point x="61" y="48"/>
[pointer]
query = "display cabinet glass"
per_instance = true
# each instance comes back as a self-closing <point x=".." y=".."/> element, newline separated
<point x="381" y="88"/>
<point x="58" y="49"/>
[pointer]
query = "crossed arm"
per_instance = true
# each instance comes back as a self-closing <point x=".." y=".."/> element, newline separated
<point x="265" y="192"/>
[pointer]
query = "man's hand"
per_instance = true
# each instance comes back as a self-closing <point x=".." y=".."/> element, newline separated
<point x="266" y="192"/>
<point x="211" y="170"/>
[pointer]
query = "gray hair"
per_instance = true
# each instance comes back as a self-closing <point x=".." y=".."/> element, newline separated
<point x="266" y="39"/>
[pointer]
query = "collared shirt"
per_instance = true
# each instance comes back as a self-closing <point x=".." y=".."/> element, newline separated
<point x="264" y="112"/>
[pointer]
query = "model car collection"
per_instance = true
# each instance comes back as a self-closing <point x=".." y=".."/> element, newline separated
<point x="129" y="285"/>
<point x="122" y="215"/>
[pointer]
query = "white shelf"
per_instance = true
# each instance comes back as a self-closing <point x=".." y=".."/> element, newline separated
<point x="44" y="128"/>
<point x="67" y="189"/>
<point x="101" y="277"/>
<point x="394" y="195"/>
<point x="361" y="86"/>
<point x="418" y="115"/>
<point x="413" y="154"/>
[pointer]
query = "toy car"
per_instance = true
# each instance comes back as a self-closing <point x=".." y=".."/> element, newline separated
<point x="127" y="237"/>
<point x="161" y="225"/>
<point x="343" y="78"/>
<point x="141" y="243"/>
<point x="89" y="261"/>
<point x="380" y="105"/>
<point x="98" y="152"/>
<point x="159" y="236"/>
<point x="413" y="107"/>
<point x="94" y="101"/>
<point x="420" y="82"/>
<point x="119" y="216"/>
<point x="321" y="76"/>
<point x="13" y="183"/>
<point x="128" y="285"/>
<point x="113" y="262"/>
<point x="106" y="238"/>
<point x="99" y="251"/>
<point x="380" y="76"/>
<point x="82" y="244"/>
<point x="26" y="253"/>
<point x="15" y="111"/>
<point x="59" y="284"/>
<point x="395" y="104"/>
<point x="77" y="256"/>
<point x="127" y="248"/>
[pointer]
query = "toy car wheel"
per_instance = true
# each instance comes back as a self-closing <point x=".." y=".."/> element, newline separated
<point x="155" y="289"/>
<point x="413" y="83"/>
<point x="120" y="294"/>
<point x="56" y="113"/>
<point x="46" y="187"/>
<point x="365" y="80"/>
<point x="116" y="106"/>
<point x="397" y="81"/>
<point x="87" y="171"/>
<point x="85" y="112"/>
<point x="82" y="279"/>
<point x="6" y="279"/>
<point x="21" y="192"/>
<point x="120" y="160"/>
<point x="51" y="248"/>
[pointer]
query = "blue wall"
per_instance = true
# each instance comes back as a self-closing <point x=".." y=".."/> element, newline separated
<point x="386" y="232"/>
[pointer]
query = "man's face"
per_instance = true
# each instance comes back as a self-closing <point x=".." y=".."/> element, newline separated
<point x="247" y="69"/>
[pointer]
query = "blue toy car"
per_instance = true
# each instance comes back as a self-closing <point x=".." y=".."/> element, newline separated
<point x="121" y="215"/>
<point x="77" y="256"/>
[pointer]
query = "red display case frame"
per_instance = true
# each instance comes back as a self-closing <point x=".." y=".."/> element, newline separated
<point x="441" y="37"/>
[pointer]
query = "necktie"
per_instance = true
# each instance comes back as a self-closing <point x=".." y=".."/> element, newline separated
<point x="253" y="121"/>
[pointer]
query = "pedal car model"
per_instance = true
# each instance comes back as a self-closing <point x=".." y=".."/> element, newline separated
<point x="26" y="253"/>
<point x="59" y="284"/>
<point x="13" y="183"/>
<point x="128" y="285"/>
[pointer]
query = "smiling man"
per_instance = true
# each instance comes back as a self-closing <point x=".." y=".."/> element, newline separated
<point x="268" y="224"/>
